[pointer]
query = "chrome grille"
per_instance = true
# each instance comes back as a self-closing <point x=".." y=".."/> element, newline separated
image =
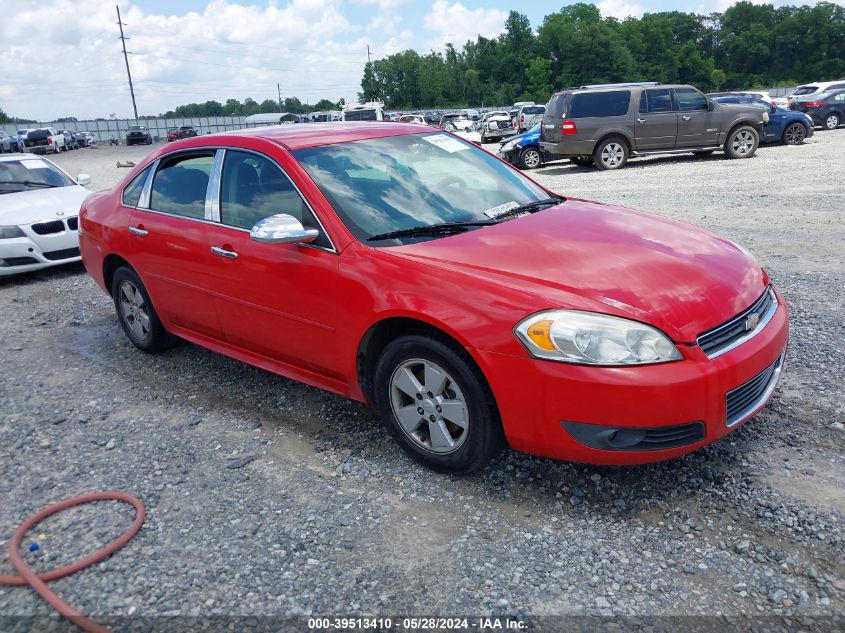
<point x="735" y="332"/>
<point x="745" y="399"/>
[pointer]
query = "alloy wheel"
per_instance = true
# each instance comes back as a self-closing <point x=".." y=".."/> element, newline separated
<point x="794" y="134"/>
<point x="531" y="158"/>
<point x="429" y="406"/>
<point x="134" y="311"/>
<point x="612" y="154"/>
<point x="743" y="142"/>
<point x="831" y="122"/>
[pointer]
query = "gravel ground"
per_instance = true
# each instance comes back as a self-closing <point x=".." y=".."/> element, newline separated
<point x="266" y="497"/>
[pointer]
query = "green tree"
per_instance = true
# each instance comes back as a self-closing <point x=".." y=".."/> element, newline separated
<point x="269" y="105"/>
<point x="539" y="75"/>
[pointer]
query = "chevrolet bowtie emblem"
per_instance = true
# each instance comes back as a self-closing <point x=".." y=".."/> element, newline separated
<point x="752" y="322"/>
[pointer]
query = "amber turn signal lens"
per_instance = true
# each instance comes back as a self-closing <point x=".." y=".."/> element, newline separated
<point x="540" y="334"/>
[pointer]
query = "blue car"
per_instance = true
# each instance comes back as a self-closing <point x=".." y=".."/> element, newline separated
<point x="524" y="151"/>
<point x="785" y="126"/>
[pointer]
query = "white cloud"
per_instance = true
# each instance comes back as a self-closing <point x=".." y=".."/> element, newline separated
<point x="620" y="9"/>
<point x="455" y="23"/>
<point x="385" y="5"/>
<point x="384" y="23"/>
<point x="75" y="67"/>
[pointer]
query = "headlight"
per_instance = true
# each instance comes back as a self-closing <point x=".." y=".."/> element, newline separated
<point x="8" y="232"/>
<point x="593" y="339"/>
<point x="508" y="146"/>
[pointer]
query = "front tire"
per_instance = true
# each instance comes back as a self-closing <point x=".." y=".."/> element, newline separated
<point x="742" y="142"/>
<point x="831" y="121"/>
<point x="611" y="153"/>
<point x="459" y="429"/>
<point x="530" y="158"/>
<point x="136" y="313"/>
<point x="794" y="134"/>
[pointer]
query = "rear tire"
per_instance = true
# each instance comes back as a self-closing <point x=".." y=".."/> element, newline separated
<point x="530" y="158"/>
<point x="420" y="373"/>
<point x="611" y="153"/>
<point x="794" y="134"/>
<point x="136" y="313"/>
<point x="831" y="121"/>
<point x="742" y="142"/>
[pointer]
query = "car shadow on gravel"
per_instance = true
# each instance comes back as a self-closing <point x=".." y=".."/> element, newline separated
<point x="564" y="169"/>
<point x="57" y="273"/>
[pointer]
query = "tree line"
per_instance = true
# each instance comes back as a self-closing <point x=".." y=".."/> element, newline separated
<point x="249" y="106"/>
<point x="747" y="46"/>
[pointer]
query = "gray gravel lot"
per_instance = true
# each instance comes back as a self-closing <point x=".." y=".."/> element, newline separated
<point x="330" y="517"/>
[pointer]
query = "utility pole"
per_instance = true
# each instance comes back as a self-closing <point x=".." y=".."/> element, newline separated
<point x="368" y="53"/>
<point x="126" y="59"/>
<point x="279" y="88"/>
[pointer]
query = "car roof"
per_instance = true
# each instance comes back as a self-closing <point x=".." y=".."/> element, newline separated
<point x="293" y="136"/>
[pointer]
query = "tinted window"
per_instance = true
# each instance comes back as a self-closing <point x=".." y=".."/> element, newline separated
<point x="255" y="188"/>
<point x="132" y="193"/>
<point x="534" y="110"/>
<point x="689" y="99"/>
<point x="594" y="104"/>
<point x="556" y="105"/>
<point x="839" y="96"/>
<point x="656" y="100"/>
<point x="805" y="90"/>
<point x="360" y="115"/>
<point x="180" y="184"/>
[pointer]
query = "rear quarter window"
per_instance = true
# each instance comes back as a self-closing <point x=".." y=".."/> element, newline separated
<point x="132" y="193"/>
<point x="599" y="104"/>
<point x="534" y="110"/>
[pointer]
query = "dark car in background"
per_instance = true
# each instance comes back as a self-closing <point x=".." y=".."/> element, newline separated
<point x="84" y="138"/>
<point x="138" y="134"/>
<point x="610" y="123"/>
<point x="784" y="126"/>
<point x="186" y="131"/>
<point x="826" y="109"/>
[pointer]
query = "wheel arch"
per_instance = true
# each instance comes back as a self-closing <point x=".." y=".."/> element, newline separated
<point x="111" y="263"/>
<point x="391" y="327"/>
<point x="615" y="133"/>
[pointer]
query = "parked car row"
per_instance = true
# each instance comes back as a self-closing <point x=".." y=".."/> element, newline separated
<point x="44" y="140"/>
<point x="604" y="125"/>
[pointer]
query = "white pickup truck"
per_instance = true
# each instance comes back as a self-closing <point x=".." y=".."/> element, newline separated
<point x="45" y="139"/>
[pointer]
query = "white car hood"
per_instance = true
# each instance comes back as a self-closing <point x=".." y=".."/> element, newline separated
<point x="26" y="207"/>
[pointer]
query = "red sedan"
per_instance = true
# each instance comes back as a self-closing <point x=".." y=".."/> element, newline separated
<point x="408" y="268"/>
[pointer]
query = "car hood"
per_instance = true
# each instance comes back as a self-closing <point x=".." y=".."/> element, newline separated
<point x="25" y="207"/>
<point x="585" y="255"/>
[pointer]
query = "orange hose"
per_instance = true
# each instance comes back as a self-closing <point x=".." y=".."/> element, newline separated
<point x="39" y="581"/>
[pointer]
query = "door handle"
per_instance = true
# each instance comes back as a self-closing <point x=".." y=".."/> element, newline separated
<point x="640" y="120"/>
<point x="139" y="230"/>
<point x="223" y="252"/>
<point x="686" y="117"/>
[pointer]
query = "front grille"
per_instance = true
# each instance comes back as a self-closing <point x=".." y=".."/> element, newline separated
<point x="18" y="261"/>
<point x="65" y="253"/>
<point x="729" y="335"/>
<point x="48" y="227"/>
<point x="671" y="436"/>
<point x="73" y="223"/>
<point x="742" y="401"/>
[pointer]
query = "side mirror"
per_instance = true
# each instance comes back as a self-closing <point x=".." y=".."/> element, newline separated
<point x="774" y="108"/>
<point x="83" y="179"/>
<point x="711" y="105"/>
<point x="282" y="229"/>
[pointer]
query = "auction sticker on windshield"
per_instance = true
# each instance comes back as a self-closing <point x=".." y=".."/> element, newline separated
<point x="444" y="141"/>
<point x="34" y="163"/>
<point x="496" y="211"/>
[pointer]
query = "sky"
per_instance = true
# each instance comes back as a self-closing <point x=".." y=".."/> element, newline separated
<point x="64" y="57"/>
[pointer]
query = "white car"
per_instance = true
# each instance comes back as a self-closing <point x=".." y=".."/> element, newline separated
<point x="464" y="129"/>
<point x="495" y="125"/>
<point x="818" y="87"/>
<point x="39" y="209"/>
<point x="412" y="118"/>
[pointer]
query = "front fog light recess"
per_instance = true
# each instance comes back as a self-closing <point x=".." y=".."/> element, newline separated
<point x="589" y="338"/>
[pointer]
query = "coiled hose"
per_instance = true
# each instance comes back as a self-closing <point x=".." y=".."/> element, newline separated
<point x="39" y="581"/>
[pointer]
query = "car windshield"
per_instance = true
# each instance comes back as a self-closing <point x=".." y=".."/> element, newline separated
<point x="136" y="128"/>
<point x="805" y="90"/>
<point x="382" y="185"/>
<point x="30" y="173"/>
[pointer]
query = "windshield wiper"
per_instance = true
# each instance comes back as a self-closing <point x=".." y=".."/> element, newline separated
<point x="27" y="183"/>
<point x="530" y="207"/>
<point x="432" y="229"/>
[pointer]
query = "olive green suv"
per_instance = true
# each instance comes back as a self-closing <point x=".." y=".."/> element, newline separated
<point x="605" y="125"/>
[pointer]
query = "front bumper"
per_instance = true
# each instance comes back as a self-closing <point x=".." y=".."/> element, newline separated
<point x="538" y="400"/>
<point x="34" y="252"/>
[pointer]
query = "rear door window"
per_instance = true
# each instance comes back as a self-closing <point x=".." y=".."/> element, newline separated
<point x="599" y="104"/>
<point x="534" y="110"/>
<point x="180" y="185"/>
<point x="132" y="193"/>
<point x="689" y="99"/>
<point x="656" y="100"/>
